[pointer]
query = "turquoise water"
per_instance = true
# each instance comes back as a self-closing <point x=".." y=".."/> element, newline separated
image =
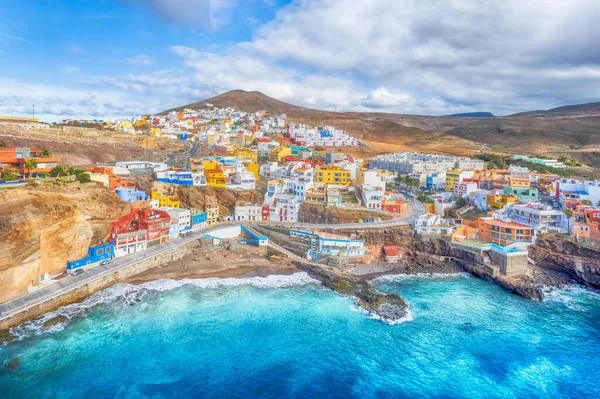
<point x="286" y="337"/>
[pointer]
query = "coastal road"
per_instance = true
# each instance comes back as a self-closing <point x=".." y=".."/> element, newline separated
<point x="69" y="283"/>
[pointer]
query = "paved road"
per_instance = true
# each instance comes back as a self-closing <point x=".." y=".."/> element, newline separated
<point x="69" y="283"/>
<point x="192" y="152"/>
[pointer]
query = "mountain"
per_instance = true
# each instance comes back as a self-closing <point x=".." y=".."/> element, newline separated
<point x="474" y="115"/>
<point x="247" y="101"/>
<point x="572" y="131"/>
<point x="579" y="110"/>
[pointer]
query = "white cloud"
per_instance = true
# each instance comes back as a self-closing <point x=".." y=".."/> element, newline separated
<point x="205" y="14"/>
<point x="406" y="56"/>
<point x="141" y="60"/>
<point x="71" y="69"/>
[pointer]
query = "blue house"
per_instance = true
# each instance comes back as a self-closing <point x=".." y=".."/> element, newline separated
<point x="131" y="194"/>
<point x="181" y="177"/>
<point x="198" y="220"/>
<point x="95" y="254"/>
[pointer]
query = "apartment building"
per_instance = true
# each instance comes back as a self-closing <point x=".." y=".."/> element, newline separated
<point x="539" y="216"/>
<point x="501" y="230"/>
<point x="409" y="162"/>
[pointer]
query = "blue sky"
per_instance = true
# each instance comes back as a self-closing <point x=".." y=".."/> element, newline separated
<point x="118" y="58"/>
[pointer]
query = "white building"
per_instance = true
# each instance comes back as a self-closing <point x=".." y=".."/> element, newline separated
<point x="248" y="212"/>
<point x="142" y="165"/>
<point x="372" y="196"/>
<point x="430" y="224"/>
<point x="461" y="190"/>
<point x="181" y="217"/>
<point x="410" y="162"/>
<point x="285" y="208"/>
<point x="243" y="181"/>
<point x="538" y="215"/>
<point x="580" y="190"/>
<point x="480" y="199"/>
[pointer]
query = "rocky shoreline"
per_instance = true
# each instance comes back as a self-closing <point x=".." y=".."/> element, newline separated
<point x="389" y="307"/>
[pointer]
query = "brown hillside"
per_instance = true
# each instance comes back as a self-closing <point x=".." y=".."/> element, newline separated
<point x="46" y="227"/>
<point x="571" y="129"/>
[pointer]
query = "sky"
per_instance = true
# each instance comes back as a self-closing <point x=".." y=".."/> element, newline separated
<point x="108" y="59"/>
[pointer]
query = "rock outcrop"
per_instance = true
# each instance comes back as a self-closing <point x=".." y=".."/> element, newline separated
<point x="560" y="253"/>
<point x="43" y="228"/>
<point x="389" y="307"/>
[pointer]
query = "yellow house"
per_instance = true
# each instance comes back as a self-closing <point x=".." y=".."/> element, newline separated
<point x="154" y="131"/>
<point x="278" y="153"/>
<point x="246" y="153"/>
<point x="212" y="212"/>
<point x="165" y="200"/>
<point x="254" y="168"/>
<point x="452" y="177"/>
<point x="140" y="123"/>
<point x="464" y="233"/>
<point x="215" y="177"/>
<point x="124" y="124"/>
<point x="495" y="202"/>
<point x="333" y="175"/>
<point x="519" y="182"/>
<point x="210" y="164"/>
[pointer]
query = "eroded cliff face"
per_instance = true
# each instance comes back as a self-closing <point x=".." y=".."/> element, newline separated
<point x="42" y="229"/>
<point x="557" y="252"/>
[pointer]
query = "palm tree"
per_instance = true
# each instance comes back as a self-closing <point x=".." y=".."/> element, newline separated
<point x="569" y="213"/>
<point x="30" y="164"/>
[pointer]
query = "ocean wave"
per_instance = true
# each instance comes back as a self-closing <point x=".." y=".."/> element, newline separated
<point x="572" y="296"/>
<point x="355" y="308"/>
<point x="130" y="294"/>
<point x="394" y="278"/>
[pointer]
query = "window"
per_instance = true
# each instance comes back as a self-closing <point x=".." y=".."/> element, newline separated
<point x="99" y="251"/>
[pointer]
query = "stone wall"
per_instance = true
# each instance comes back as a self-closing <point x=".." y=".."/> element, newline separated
<point x="88" y="289"/>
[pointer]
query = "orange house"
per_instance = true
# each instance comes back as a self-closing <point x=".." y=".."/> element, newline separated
<point x="464" y="233"/>
<point x="503" y="232"/>
<point x="16" y="158"/>
<point x="393" y="206"/>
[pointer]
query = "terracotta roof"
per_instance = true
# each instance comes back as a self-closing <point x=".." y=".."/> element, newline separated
<point x="391" y="250"/>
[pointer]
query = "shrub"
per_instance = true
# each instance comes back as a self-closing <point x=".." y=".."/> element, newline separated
<point x="84" y="178"/>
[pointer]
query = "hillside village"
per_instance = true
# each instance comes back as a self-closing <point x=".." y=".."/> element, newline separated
<point x="289" y="166"/>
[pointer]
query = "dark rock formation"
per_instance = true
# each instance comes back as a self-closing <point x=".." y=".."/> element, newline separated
<point x="560" y="253"/>
<point x="14" y="364"/>
<point x="389" y="307"/>
<point x="54" y="321"/>
<point x="5" y="336"/>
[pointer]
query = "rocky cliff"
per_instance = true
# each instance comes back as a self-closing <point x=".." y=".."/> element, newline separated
<point x="560" y="253"/>
<point x="43" y="228"/>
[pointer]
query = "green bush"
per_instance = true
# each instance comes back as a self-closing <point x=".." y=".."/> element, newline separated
<point x="84" y="178"/>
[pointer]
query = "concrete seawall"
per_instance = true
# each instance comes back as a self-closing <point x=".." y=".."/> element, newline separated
<point x="87" y="289"/>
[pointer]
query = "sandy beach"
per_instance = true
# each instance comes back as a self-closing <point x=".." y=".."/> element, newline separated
<point x="217" y="262"/>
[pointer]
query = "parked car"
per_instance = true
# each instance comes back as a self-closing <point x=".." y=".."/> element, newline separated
<point x="106" y="262"/>
<point x="76" y="272"/>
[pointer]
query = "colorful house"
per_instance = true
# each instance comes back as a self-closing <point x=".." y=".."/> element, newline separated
<point x="528" y="194"/>
<point x="165" y="200"/>
<point x="496" y="202"/>
<point x="131" y="195"/>
<point x="199" y="219"/>
<point x="95" y="254"/>
<point x="17" y="157"/>
<point x="212" y="212"/>
<point x="498" y="229"/>
<point x="215" y="177"/>
<point x="333" y="174"/>
<point x="139" y="230"/>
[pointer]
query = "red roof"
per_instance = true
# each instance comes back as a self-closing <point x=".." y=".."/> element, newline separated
<point x="391" y="250"/>
<point x="264" y="140"/>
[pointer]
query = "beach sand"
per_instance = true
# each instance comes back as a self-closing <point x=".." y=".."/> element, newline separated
<point x="217" y="262"/>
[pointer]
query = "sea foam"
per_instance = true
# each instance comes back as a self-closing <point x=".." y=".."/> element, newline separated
<point x="394" y="278"/>
<point x="129" y="294"/>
